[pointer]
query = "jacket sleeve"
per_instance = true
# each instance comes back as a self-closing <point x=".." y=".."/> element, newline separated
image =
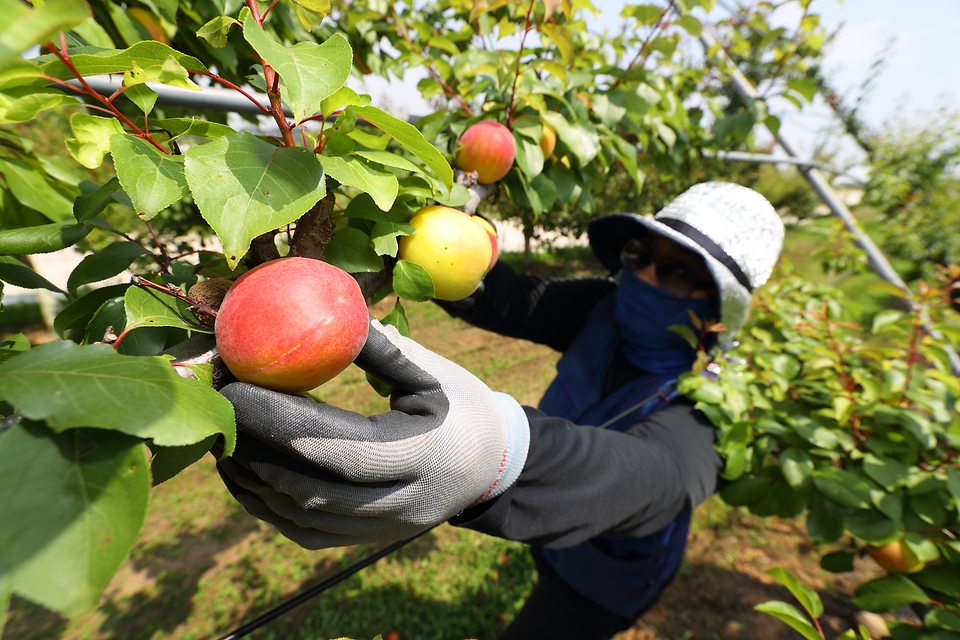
<point x="549" y="311"/>
<point x="579" y="482"/>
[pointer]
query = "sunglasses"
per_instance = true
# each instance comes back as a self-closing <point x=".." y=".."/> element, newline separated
<point x="673" y="276"/>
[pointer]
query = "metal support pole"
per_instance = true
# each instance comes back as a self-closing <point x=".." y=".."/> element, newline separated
<point x="823" y="189"/>
<point x="766" y="158"/>
<point x="208" y="99"/>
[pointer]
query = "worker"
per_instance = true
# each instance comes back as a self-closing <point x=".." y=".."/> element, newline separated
<point x="601" y="479"/>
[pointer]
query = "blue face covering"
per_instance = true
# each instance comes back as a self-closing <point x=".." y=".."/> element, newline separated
<point x="643" y="313"/>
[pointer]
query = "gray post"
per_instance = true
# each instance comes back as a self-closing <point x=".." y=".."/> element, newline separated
<point x="876" y="257"/>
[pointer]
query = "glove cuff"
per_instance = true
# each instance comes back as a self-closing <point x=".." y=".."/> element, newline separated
<point x="518" y="443"/>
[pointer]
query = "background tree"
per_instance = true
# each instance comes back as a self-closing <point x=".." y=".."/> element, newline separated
<point x="92" y="420"/>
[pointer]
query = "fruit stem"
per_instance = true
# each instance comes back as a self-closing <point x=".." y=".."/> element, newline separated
<point x="314" y="228"/>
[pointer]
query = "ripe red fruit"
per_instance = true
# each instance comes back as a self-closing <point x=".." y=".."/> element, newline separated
<point x="291" y="324"/>
<point x="486" y="147"/>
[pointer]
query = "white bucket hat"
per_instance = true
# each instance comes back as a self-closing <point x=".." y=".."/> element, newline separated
<point x="734" y="228"/>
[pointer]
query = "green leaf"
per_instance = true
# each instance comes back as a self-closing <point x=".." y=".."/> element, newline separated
<point x="169" y="461"/>
<point x="889" y="504"/>
<point x="885" y="319"/>
<point x="106" y="263"/>
<point x="412" y="282"/>
<point x="953" y="484"/>
<point x="14" y="272"/>
<point x="14" y="343"/>
<point x="943" y="578"/>
<point x="825" y="520"/>
<point x="886" y="472"/>
<point x="686" y="332"/>
<point x="529" y="155"/>
<point x="384" y="237"/>
<point x="806" y="87"/>
<point x="91" y="138"/>
<point x="790" y="615"/>
<point x="388" y="159"/>
<point x="342" y="97"/>
<point x="925" y="550"/>
<point x="411" y="139"/>
<point x="350" y="250"/>
<point x="71" y="506"/>
<point x="709" y="392"/>
<point x="806" y="596"/>
<point x="143" y="96"/>
<point x="70" y="386"/>
<point x="647" y="14"/>
<point x="311" y="72"/>
<point x="22" y="28"/>
<point x="112" y="315"/>
<point x="90" y="205"/>
<point x="364" y="207"/>
<point x="149" y="308"/>
<point x="397" y="318"/>
<point x="873" y="527"/>
<point x="560" y="37"/>
<point x="843" y="487"/>
<point x="152" y="179"/>
<point x="44" y="238"/>
<point x="381" y="186"/>
<point x="785" y="365"/>
<point x="216" y="31"/>
<point x="245" y="186"/>
<point x="690" y="24"/>
<point x="888" y="594"/>
<point x="746" y="490"/>
<point x="177" y="127"/>
<point x="32" y="188"/>
<point x="582" y="142"/>
<point x="737" y="125"/>
<point x="147" y="55"/>
<point x="919" y="427"/>
<point x="610" y="108"/>
<point x="76" y="315"/>
<point x="837" y="562"/>
<point x="942" y="619"/>
<point x="796" y="467"/>
<point x="15" y="109"/>
<point x="929" y="509"/>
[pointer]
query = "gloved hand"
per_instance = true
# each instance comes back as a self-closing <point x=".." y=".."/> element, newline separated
<point x="327" y="477"/>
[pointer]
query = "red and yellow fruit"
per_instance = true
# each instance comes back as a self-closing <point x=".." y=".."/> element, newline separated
<point x="896" y="557"/>
<point x="451" y="247"/>
<point x="486" y="147"/>
<point x="291" y="324"/>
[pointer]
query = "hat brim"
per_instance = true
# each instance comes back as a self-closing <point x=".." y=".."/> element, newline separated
<point x="609" y="233"/>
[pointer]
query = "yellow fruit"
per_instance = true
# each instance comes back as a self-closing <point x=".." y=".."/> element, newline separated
<point x="896" y="557"/>
<point x="548" y="141"/>
<point x="451" y="247"/>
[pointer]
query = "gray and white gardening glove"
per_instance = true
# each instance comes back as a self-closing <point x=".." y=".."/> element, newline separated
<point x="327" y="477"/>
